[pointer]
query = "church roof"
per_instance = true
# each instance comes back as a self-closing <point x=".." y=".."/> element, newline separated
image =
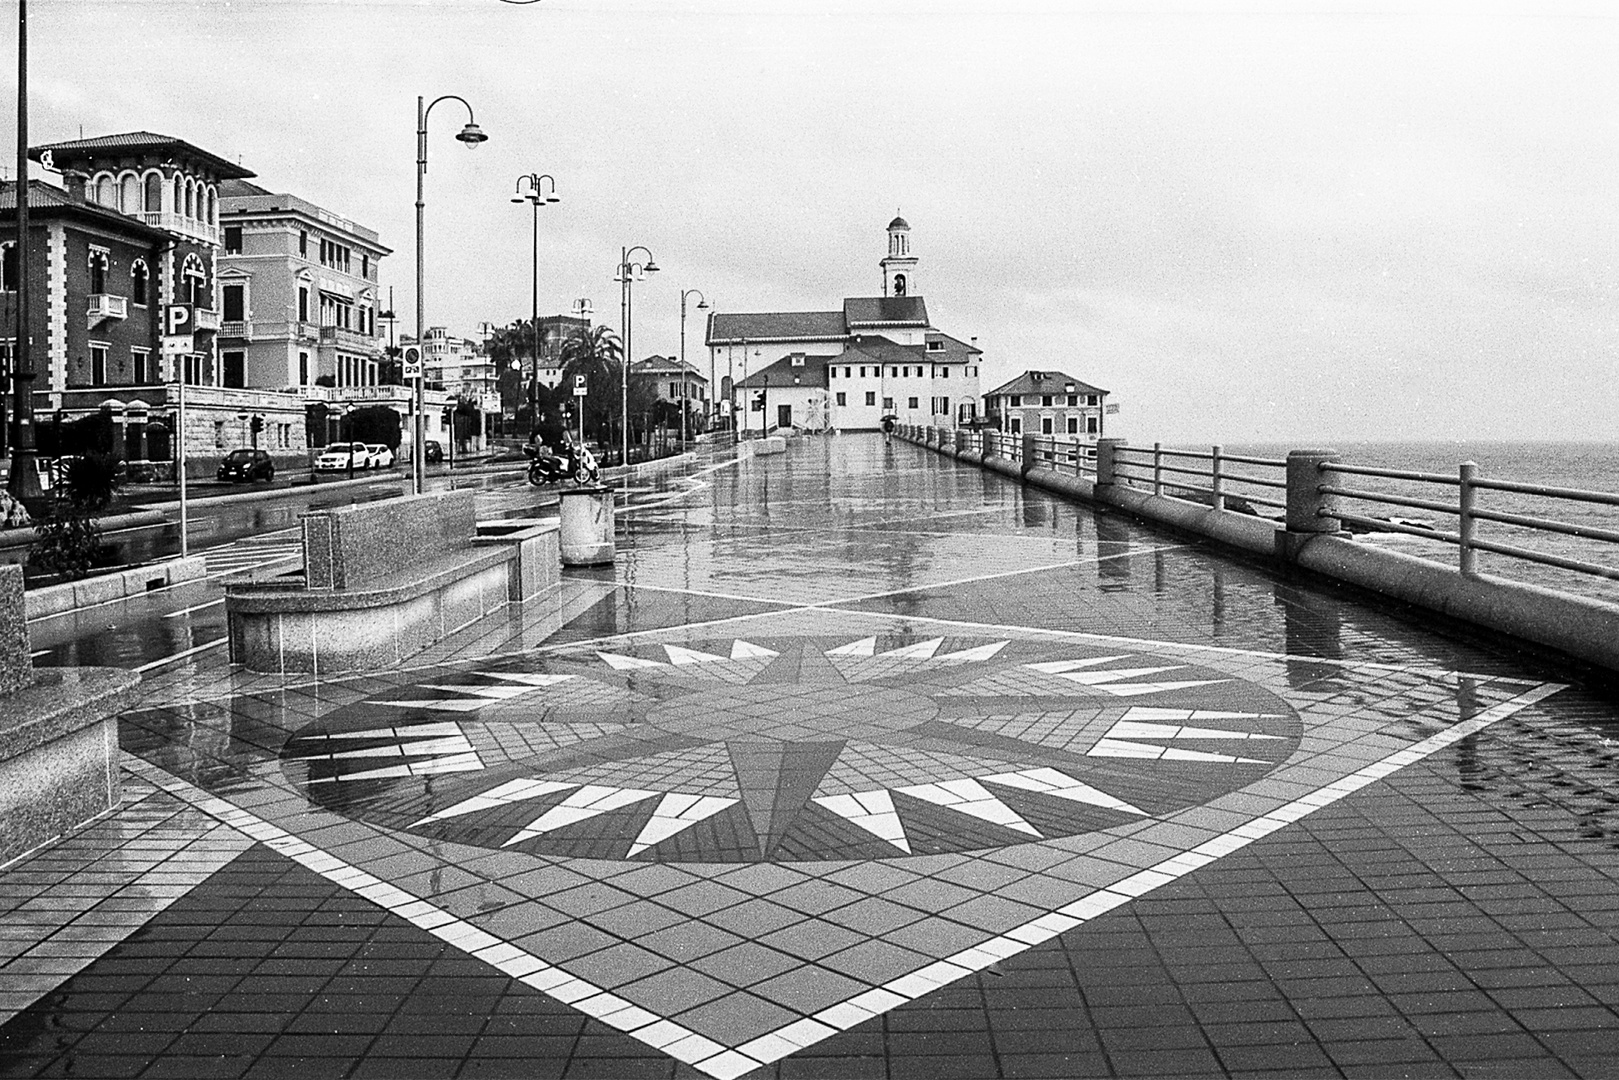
<point x="133" y="142"/>
<point x="899" y="223"/>
<point x="1044" y="382"/>
<point x="725" y="328"/>
<point x="884" y="311"/>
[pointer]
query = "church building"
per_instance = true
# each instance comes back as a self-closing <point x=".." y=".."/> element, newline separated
<point x="875" y="357"/>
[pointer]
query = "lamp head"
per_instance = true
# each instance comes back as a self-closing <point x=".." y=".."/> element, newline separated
<point x="652" y="267"/>
<point x="702" y="305"/>
<point x="519" y="199"/>
<point x="553" y="197"/>
<point x="472" y="135"/>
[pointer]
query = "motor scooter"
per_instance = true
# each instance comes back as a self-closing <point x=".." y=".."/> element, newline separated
<point x="577" y="462"/>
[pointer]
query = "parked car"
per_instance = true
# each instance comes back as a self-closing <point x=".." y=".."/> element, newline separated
<point x="339" y="457"/>
<point x="380" y="456"/>
<point x="435" y="451"/>
<point x="247" y="466"/>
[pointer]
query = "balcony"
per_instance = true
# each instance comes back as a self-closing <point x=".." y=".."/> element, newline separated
<point x="204" y="321"/>
<point x="104" y="306"/>
<point x="179" y="223"/>
<point x="236" y="329"/>
<point x="351" y="340"/>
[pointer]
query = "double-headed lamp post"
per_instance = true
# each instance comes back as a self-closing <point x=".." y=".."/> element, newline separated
<point x="471" y="135"/>
<point x="538" y="195"/>
<point x="702" y="305"/>
<point x="629" y="272"/>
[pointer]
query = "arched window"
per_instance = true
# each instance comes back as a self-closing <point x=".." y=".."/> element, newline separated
<point x="195" y="283"/>
<point x="154" y="193"/>
<point x="191" y="193"/>
<point x="129" y="195"/>
<point x="8" y="267"/>
<point x="213" y="207"/>
<point x="106" y="195"/>
<point x="138" y="279"/>
<point x="98" y="272"/>
<point x="179" y="195"/>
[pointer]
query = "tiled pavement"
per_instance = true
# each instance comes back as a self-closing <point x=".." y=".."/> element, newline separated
<point x="859" y="763"/>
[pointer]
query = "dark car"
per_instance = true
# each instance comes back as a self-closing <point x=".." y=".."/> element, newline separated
<point x="247" y="465"/>
<point x="434" y="453"/>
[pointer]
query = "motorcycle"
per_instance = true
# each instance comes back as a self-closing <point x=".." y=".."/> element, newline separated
<point x="578" y="462"/>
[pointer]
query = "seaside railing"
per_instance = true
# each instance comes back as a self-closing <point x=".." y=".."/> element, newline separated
<point x="1319" y="487"/>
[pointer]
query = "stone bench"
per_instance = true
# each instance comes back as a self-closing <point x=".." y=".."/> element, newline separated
<point x="382" y="581"/>
<point x="58" y="735"/>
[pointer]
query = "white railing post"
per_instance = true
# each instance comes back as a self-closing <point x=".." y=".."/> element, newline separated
<point x="1467" y="525"/>
<point x="1157" y="468"/>
<point x="1216" y="479"/>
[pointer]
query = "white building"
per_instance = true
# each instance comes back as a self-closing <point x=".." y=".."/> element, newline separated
<point x="878" y="356"/>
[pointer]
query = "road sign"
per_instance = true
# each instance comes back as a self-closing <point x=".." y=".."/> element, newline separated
<point x="413" y="362"/>
<point x="178" y="345"/>
<point x="579" y="386"/>
<point x="177" y="319"/>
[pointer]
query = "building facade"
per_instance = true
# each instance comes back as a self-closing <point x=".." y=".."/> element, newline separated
<point x="1048" y="403"/>
<point x="876" y="357"/>
<point x="299" y="299"/>
<point x="663" y="375"/>
<point x="463" y="371"/>
<point x="132" y="233"/>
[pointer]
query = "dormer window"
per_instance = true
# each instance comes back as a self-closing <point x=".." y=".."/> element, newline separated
<point x="797" y="360"/>
<point x="935" y="346"/>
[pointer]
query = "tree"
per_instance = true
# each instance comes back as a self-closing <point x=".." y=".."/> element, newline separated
<point x="596" y="354"/>
<point x="68" y="541"/>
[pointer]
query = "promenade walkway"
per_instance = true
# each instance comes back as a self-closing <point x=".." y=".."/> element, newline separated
<point x="860" y="762"/>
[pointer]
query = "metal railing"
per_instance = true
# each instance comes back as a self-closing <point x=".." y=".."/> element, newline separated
<point x="1220" y="487"/>
<point x="1522" y="527"/>
<point x="1461" y="502"/>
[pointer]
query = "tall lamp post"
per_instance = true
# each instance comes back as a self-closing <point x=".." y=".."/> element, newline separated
<point x="538" y="196"/>
<point x="470" y="135"/>
<point x="23" y="480"/>
<point x="628" y="273"/>
<point x="702" y="305"/>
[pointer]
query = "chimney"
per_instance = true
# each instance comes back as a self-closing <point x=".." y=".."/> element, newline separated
<point x="75" y="182"/>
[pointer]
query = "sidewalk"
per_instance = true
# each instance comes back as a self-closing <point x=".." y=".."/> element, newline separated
<point x="859" y="762"/>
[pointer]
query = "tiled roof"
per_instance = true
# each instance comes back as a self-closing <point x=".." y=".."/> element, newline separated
<point x="811" y="373"/>
<point x="775" y="326"/>
<point x="955" y="350"/>
<point x="234" y="188"/>
<point x="49" y="199"/>
<point x="664" y="365"/>
<point x="881" y="349"/>
<point x="1045" y="382"/>
<point x="87" y="149"/>
<point x="873" y="310"/>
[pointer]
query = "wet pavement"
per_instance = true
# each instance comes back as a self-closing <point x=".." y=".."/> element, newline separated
<point x="859" y="762"/>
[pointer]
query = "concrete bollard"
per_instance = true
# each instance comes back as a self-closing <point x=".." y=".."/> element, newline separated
<point x="1030" y="451"/>
<point x="1308" y="509"/>
<point x="1106" y="463"/>
<point x="587" y="526"/>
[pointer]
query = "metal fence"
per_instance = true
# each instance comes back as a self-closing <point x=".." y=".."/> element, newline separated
<point x="1562" y="528"/>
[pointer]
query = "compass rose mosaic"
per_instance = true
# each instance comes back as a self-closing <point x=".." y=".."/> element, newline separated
<point x="795" y="748"/>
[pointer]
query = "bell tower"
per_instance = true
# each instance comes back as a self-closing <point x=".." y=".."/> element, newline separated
<point x="899" y="265"/>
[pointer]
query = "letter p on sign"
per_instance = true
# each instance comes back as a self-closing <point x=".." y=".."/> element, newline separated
<point x="177" y="319"/>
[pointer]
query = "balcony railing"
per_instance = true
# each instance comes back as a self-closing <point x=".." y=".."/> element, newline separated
<point x="179" y="223"/>
<point x="348" y="339"/>
<point x="104" y="306"/>
<point x="205" y="320"/>
<point x="240" y="329"/>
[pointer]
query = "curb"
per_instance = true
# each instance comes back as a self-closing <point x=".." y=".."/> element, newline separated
<point x="73" y="595"/>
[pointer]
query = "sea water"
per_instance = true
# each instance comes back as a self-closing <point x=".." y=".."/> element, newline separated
<point x="1587" y="466"/>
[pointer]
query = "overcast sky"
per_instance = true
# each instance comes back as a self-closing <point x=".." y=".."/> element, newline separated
<point x="1248" y="221"/>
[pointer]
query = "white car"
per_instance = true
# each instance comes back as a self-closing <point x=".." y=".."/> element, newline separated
<point x="381" y="456"/>
<point x="338" y="457"/>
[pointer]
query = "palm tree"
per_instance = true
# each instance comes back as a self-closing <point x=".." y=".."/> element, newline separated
<point x="597" y="354"/>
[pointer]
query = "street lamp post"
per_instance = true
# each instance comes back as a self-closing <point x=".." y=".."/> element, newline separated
<point x="702" y="305"/>
<point x="23" y="480"/>
<point x="471" y="135"/>
<point x="538" y="196"/>
<point x="628" y="272"/>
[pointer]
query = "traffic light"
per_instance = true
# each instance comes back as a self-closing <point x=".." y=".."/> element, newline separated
<point x="257" y="424"/>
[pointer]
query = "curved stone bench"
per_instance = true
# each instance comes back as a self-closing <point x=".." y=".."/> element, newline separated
<point x="383" y="581"/>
